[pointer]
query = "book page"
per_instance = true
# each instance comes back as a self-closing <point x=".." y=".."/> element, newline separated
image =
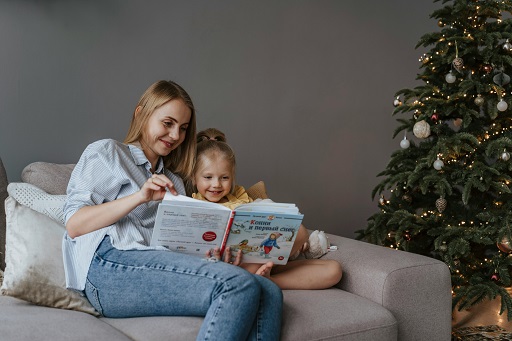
<point x="182" y="200"/>
<point x="268" y="206"/>
<point x="188" y="229"/>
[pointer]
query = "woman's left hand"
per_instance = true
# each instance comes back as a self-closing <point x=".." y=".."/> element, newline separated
<point x="215" y="253"/>
<point x="155" y="187"/>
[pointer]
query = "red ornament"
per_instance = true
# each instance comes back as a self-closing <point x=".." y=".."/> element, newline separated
<point x="434" y="117"/>
<point x="495" y="277"/>
<point x="487" y="68"/>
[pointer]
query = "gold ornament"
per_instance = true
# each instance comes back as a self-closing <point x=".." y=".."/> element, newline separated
<point x="479" y="100"/>
<point x="421" y="129"/>
<point x="458" y="64"/>
<point x="407" y="197"/>
<point x="441" y="204"/>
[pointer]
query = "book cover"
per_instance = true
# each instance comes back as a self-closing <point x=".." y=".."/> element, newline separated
<point x="264" y="231"/>
<point x="263" y="236"/>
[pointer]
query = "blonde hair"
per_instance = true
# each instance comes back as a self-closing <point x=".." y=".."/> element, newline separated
<point x="181" y="159"/>
<point x="211" y="134"/>
<point x="209" y="148"/>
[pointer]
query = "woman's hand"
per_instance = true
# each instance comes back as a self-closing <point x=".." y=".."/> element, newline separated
<point x="215" y="253"/>
<point x="155" y="187"/>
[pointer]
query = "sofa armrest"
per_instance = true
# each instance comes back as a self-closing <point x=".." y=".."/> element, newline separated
<point x="414" y="288"/>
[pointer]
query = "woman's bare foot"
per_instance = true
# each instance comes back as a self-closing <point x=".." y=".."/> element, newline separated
<point x="264" y="270"/>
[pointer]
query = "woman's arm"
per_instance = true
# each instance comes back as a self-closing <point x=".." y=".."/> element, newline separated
<point x="91" y="218"/>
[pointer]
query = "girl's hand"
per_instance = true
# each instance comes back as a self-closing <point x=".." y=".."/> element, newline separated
<point x="155" y="187"/>
<point x="215" y="253"/>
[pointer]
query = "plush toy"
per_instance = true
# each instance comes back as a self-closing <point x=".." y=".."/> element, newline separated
<point x="318" y="245"/>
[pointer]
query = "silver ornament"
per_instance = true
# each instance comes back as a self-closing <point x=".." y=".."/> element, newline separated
<point x="438" y="164"/>
<point x="397" y="102"/>
<point x="421" y="129"/>
<point x="441" y="204"/>
<point x="507" y="46"/>
<point x="479" y="100"/>
<point x="502" y="105"/>
<point x="405" y="143"/>
<point x="450" y="77"/>
<point x="382" y="200"/>
<point x="505" y="156"/>
<point x="501" y="78"/>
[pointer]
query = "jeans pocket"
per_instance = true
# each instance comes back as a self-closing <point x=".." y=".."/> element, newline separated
<point x="93" y="296"/>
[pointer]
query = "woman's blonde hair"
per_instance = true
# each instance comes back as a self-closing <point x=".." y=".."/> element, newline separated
<point x="211" y="144"/>
<point x="181" y="159"/>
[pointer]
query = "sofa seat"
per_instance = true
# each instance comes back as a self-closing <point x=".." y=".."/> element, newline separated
<point x="24" y="321"/>
<point x="344" y="316"/>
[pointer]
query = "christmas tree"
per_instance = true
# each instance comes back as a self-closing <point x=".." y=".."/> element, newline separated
<point x="446" y="193"/>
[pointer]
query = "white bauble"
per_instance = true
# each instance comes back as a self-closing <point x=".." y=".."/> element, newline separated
<point x="450" y="77"/>
<point x="405" y="143"/>
<point x="421" y="129"/>
<point x="438" y="164"/>
<point x="502" y="105"/>
<point x="505" y="156"/>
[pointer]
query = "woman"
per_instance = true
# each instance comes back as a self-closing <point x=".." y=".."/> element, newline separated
<point x="111" y="205"/>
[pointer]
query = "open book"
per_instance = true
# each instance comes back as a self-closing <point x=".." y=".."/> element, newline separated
<point x="263" y="230"/>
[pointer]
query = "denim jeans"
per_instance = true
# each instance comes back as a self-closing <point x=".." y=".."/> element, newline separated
<point x="236" y="304"/>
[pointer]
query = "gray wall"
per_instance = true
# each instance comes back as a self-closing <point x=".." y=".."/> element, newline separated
<point x="303" y="89"/>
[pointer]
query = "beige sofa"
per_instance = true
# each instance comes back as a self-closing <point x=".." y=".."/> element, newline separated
<point x="384" y="295"/>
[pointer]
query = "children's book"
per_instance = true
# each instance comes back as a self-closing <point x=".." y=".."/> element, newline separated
<point x="263" y="230"/>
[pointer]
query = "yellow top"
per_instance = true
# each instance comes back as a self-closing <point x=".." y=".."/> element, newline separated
<point x="239" y="197"/>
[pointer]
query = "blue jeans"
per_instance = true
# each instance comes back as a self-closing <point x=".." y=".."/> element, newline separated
<point x="236" y="304"/>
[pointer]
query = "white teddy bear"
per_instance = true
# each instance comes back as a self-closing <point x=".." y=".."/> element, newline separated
<point x="318" y="245"/>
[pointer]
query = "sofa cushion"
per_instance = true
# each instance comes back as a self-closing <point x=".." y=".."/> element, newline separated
<point x="34" y="268"/>
<point x="3" y="196"/>
<point x="52" y="178"/>
<point x="307" y="315"/>
<point x="22" y="321"/>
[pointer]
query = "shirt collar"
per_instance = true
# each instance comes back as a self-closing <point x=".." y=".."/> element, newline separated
<point x="140" y="159"/>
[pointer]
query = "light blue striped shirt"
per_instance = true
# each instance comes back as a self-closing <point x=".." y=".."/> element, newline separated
<point x="106" y="171"/>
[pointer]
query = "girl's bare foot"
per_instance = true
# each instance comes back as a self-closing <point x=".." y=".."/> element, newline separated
<point x="264" y="270"/>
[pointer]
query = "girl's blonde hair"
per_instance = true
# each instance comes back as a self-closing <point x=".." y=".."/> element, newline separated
<point x="211" y="144"/>
<point x="181" y="159"/>
<point x="211" y="134"/>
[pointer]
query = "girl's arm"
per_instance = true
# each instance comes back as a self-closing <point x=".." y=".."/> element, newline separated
<point x="91" y="218"/>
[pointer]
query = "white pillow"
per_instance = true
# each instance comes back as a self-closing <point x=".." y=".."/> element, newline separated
<point x="38" y="200"/>
<point x="34" y="268"/>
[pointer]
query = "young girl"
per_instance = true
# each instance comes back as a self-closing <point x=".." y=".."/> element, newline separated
<point x="112" y="198"/>
<point x="214" y="180"/>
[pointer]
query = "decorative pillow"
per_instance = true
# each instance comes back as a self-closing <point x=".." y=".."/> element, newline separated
<point x="257" y="191"/>
<point x="52" y="178"/>
<point x="38" y="200"/>
<point x="34" y="268"/>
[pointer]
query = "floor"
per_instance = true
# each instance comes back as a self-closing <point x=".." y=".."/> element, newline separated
<point x="482" y="322"/>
